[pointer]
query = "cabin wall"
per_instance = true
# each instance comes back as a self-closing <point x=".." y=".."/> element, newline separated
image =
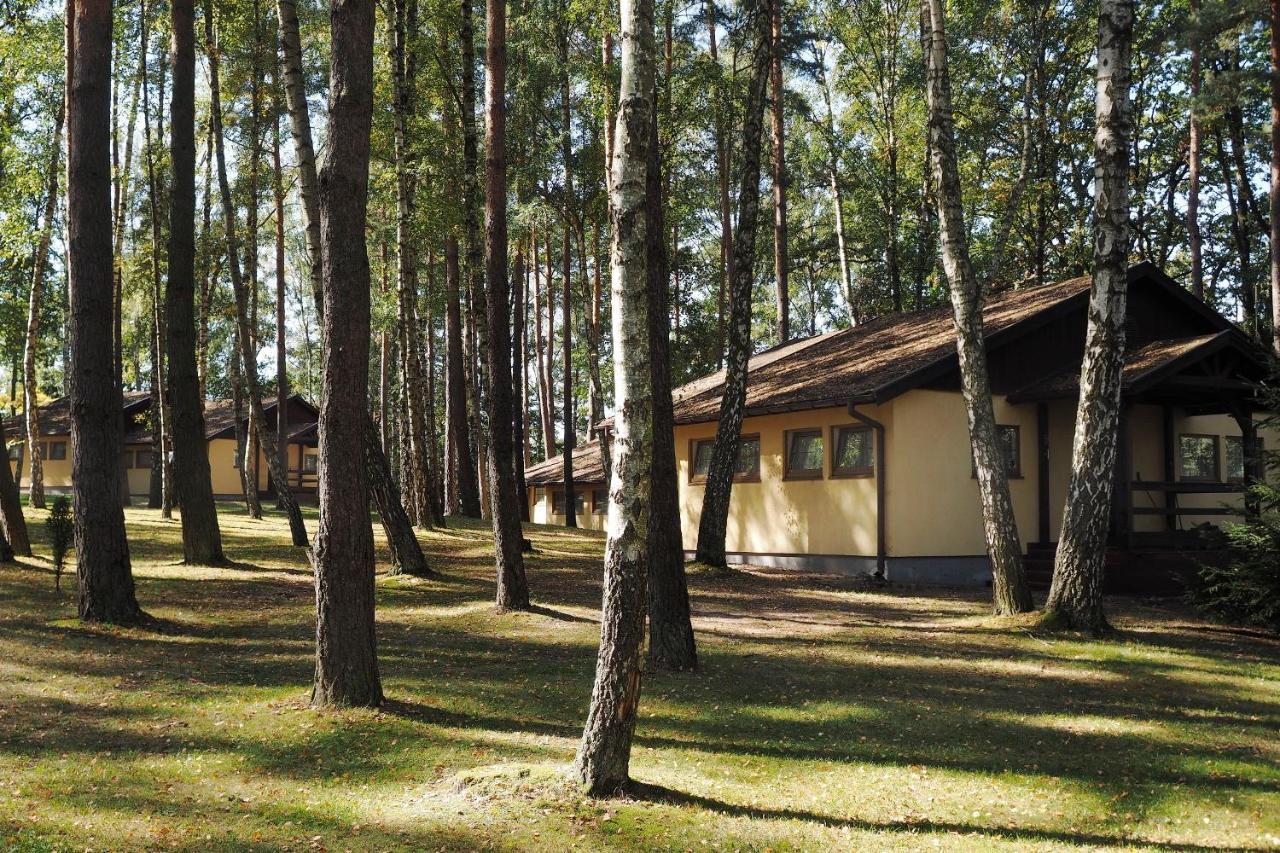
<point x="540" y="507"/>
<point x="785" y="518"/>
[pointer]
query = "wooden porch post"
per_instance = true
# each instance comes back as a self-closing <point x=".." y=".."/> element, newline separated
<point x="1243" y="416"/>
<point x="1042" y="469"/>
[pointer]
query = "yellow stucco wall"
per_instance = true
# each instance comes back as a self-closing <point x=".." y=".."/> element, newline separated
<point x="540" y="508"/>
<point x="777" y="516"/>
<point x="223" y="473"/>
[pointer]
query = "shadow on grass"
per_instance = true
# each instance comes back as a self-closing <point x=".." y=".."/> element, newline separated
<point x="669" y="796"/>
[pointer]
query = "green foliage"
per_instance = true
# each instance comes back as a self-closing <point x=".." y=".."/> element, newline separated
<point x="60" y="529"/>
<point x="1247" y="589"/>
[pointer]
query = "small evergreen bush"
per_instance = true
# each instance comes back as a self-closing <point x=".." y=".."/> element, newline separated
<point x="61" y="530"/>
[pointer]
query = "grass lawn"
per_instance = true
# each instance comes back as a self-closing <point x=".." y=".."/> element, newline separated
<point x="826" y="716"/>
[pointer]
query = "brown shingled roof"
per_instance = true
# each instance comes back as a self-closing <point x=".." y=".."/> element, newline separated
<point x="864" y="362"/>
<point x="55" y="416"/>
<point x="588" y="468"/>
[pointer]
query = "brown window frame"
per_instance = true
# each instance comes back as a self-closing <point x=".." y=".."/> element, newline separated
<point x="579" y="497"/>
<point x="1226" y="439"/>
<point x="136" y="465"/>
<point x="1011" y="474"/>
<point x="840" y="472"/>
<point x="62" y="445"/>
<point x="1217" y="458"/>
<point x="315" y="468"/>
<point x="807" y="474"/>
<point x="599" y="507"/>
<point x="700" y="479"/>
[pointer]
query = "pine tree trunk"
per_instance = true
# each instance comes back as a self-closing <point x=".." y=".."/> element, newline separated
<point x="604" y="757"/>
<point x="505" y="499"/>
<point x="300" y="129"/>
<point x="30" y="385"/>
<point x="466" y="490"/>
<point x="782" y="292"/>
<point x="12" y="523"/>
<point x="201" y="536"/>
<point x="248" y="361"/>
<point x="346" y="646"/>
<point x="519" y="434"/>
<point x="1075" y="596"/>
<point x="671" y="641"/>
<point x="722" y="178"/>
<point x="1193" y="159"/>
<point x="282" y="350"/>
<point x="570" y="440"/>
<point x="714" y="521"/>
<point x="102" y="551"/>
<point x="406" y="553"/>
<point x="1275" y="175"/>
<point x="1004" y="548"/>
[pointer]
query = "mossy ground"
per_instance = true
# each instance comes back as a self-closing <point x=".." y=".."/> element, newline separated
<point x="826" y="716"/>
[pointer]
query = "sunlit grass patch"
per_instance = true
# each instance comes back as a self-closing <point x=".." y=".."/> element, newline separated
<point x="826" y="715"/>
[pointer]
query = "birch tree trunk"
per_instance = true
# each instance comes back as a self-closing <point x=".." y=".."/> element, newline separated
<point x="201" y="536"/>
<point x="724" y="455"/>
<point x="1004" y="548"/>
<point x="346" y="646"/>
<point x="106" y="591"/>
<point x="603" y="759"/>
<point x="1075" y="596"/>
<point x="30" y="385"/>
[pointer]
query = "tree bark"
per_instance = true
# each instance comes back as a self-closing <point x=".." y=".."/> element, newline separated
<point x="30" y="385"/>
<point x="248" y="361"/>
<point x="346" y="646"/>
<point x="282" y="350"/>
<point x="566" y="306"/>
<point x="12" y="523"/>
<point x="714" y="520"/>
<point x="504" y="500"/>
<point x="671" y="641"/>
<point x="1275" y="175"/>
<point x="300" y="128"/>
<point x="722" y="180"/>
<point x="406" y="553"/>
<point x="1075" y="596"/>
<point x="102" y="551"/>
<point x="1193" y="160"/>
<point x="519" y="428"/>
<point x="1004" y="549"/>
<point x="467" y="490"/>
<point x="201" y="536"/>
<point x="782" y="292"/>
<point x="603" y="759"/>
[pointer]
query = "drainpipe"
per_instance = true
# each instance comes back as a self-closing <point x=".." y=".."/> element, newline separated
<point x="867" y="420"/>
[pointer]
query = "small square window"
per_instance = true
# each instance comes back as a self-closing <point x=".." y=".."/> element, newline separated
<point x="853" y="446"/>
<point x="804" y="454"/>
<point x="142" y="459"/>
<point x="1235" y="457"/>
<point x="747" y="468"/>
<point x="600" y="501"/>
<point x="57" y="450"/>
<point x="558" y="506"/>
<point x="310" y="462"/>
<point x="1198" y="458"/>
<point x="15" y="451"/>
<point x="1011" y="443"/>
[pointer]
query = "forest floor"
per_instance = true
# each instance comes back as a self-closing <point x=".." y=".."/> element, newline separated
<point x="826" y="716"/>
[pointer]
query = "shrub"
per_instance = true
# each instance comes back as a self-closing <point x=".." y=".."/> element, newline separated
<point x="60" y="529"/>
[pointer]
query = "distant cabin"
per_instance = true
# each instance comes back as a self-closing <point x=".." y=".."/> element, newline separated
<point x="855" y="449"/>
<point x="220" y="430"/>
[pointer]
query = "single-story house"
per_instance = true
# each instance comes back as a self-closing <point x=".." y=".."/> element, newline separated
<point x="220" y="430"/>
<point x="855" y="448"/>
